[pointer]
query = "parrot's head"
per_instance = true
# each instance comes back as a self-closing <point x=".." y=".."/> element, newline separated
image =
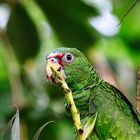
<point x="73" y="64"/>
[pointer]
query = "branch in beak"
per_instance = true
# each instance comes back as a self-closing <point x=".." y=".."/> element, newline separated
<point x="49" y="73"/>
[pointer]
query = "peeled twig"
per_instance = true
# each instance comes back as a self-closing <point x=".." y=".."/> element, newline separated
<point x="59" y="79"/>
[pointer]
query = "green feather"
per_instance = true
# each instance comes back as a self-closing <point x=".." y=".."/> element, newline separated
<point x="117" y="119"/>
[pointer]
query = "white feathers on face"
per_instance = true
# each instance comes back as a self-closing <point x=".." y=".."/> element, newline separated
<point x="52" y="60"/>
<point x="50" y="55"/>
<point x="57" y="61"/>
<point x="68" y="57"/>
<point x="62" y="59"/>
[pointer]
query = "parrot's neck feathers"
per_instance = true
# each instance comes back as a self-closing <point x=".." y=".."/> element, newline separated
<point x="81" y="96"/>
<point x="81" y="75"/>
<point x="92" y="79"/>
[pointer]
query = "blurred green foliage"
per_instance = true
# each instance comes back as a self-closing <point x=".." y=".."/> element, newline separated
<point x="25" y="32"/>
<point x="33" y="29"/>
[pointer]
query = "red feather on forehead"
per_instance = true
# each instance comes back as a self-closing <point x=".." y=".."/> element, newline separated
<point x="56" y="55"/>
<point x="59" y="56"/>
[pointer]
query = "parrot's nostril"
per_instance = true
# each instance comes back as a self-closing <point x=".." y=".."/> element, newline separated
<point x="59" y="69"/>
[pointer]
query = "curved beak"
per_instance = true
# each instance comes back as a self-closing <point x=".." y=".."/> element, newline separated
<point x="49" y="74"/>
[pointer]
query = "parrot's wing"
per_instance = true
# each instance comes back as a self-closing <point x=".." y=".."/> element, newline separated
<point x="124" y="103"/>
<point x="113" y="112"/>
<point x="94" y="136"/>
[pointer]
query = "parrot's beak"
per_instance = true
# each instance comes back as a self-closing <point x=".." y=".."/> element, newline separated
<point x="49" y="73"/>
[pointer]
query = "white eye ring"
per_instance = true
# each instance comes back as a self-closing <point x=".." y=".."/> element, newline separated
<point x="68" y="57"/>
<point x="52" y="60"/>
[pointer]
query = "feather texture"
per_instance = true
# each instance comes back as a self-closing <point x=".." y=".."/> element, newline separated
<point x="117" y="119"/>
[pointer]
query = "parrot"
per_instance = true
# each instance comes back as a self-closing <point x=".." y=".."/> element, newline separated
<point x="117" y="118"/>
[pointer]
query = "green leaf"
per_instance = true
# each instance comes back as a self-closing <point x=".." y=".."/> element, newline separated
<point x="12" y="131"/>
<point x="15" y="132"/>
<point x="69" y="19"/>
<point x="36" y="136"/>
<point x="22" y="33"/>
<point x="89" y="126"/>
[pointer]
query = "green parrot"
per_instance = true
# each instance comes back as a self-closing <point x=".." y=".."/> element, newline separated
<point x="117" y="119"/>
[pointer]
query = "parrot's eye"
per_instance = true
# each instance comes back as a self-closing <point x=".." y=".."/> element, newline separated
<point x="52" y="60"/>
<point x="68" y="57"/>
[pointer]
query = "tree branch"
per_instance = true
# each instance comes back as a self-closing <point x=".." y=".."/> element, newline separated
<point x="59" y="79"/>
